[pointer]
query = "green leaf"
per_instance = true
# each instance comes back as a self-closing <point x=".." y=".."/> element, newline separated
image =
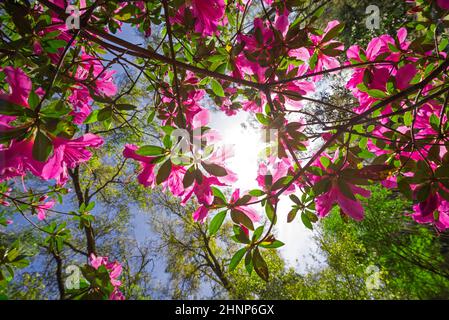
<point x="306" y="221"/>
<point x="332" y="33"/>
<point x="216" y="222"/>
<point x="150" y="151"/>
<point x="378" y="94"/>
<point x="104" y="114"/>
<point x="256" y="193"/>
<point x="217" y="193"/>
<point x="292" y="215"/>
<point x="164" y="172"/>
<point x="42" y="147"/>
<point x="257" y="233"/>
<point x="269" y="211"/>
<point x="423" y="192"/>
<point x="6" y="136"/>
<point x="262" y="119"/>
<point x="260" y="266"/>
<point x="93" y="117"/>
<point x="90" y="206"/>
<point x="313" y="60"/>
<point x="12" y="109"/>
<point x="243" y="200"/>
<point x="239" y="235"/>
<point x="405" y="189"/>
<point x="325" y="161"/>
<point x="322" y="186"/>
<point x="240" y="218"/>
<point x="435" y="122"/>
<point x="217" y="88"/>
<point x="345" y="189"/>
<point x="188" y="178"/>
<point x="214" y="169"/>
<point x="125" y="107"/>
<point x="408" y="118"/>
<point x="249" y="262"/>
<point x="274" y="245"/>
<point x="236" y="259"/>
<point x="295" y="199"/>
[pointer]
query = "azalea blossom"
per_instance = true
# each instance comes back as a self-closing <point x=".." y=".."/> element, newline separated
<point x="334" y="195"/>
<point x="114" y="269"/>
<point x="424" y="212"/>
<point x="324" y="61"/>
<point x="208" y="14"/>
<point x="146" y="177"/>
<point x="67" y="154"/>
<point x="44" y="206"/>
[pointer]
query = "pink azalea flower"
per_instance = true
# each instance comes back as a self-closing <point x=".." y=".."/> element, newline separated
<point x="244" y="66"/>
<point x="114" y="269"/>
<point x="424" y="212"/>
<point x="42" y="208"/>
<point x="277" y="169"/>
<point x="324" y="61"/>
<point x="116" y="295"/>
<point x="203" y="191"/>
<point x="19" y="86"/>
<point x="208" y="14"/>
<point x="326" y="201"/>
<point x="174" y="182"/>
<point x="146" y="177"/>
<point x="353" y="208"/>
<point x="405" y="75"/>
<point x="14" y="159"/>
<point x="190" y="105"/>
<point x="200" y="214"/>
<point x="67" y="154"/>
<point x="247" y="210"/>
<point x="443" y="4"/>
<point x="380" y="73"/>
<point x="104" y="80"/>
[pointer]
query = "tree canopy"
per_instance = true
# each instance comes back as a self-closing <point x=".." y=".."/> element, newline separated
<point x="105" y="107"/>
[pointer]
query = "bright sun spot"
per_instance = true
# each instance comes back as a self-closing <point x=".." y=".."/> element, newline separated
<point x="248" y="146"/>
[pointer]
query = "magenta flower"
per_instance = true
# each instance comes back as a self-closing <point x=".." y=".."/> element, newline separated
<point x="208" y="14"/>
<point x="203" y="191"/>
<point x="379" y="73"/>
<point x="277" y="170"/>
<point x="261" y="47"/>
<point x="66" y="154"/>
<point x="42" y="208"/>
<point x="324" y="62"/>
<point x="200" y="214"/>
<point x="424" y="212"/>
<point x="443" y="4"/>
<point x="190" y="104"/>
<point x="247" y="210"/>
<point x="114" y="269"/>
<point x="146" y="177"/>
<point x="203" y="210"/>
<point x="352" y="208"/>
<point x="326" y="201"/>
<point x="19" y="86"/>
<point x="104" y="80"/>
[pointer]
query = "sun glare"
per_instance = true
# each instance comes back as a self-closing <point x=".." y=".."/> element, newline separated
<point x="248" y="145"/>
